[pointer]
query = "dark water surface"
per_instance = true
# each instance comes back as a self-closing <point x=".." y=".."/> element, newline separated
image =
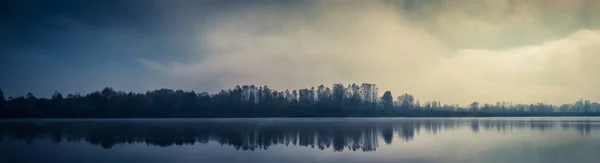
<point x="348" y="140"/>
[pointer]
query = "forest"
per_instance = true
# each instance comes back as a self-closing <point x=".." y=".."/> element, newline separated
<point x="353" y="100"/>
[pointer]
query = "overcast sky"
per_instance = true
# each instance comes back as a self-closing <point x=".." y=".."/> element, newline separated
<point x="455" y="51"/>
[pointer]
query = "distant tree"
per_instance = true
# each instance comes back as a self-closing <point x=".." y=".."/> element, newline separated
<point x="474" y="106"/>
<point x="579" y="105"/>
<point x="305" y="96"/>
<point x="1" y="95"/>
<point x="107" y="92"/>
<point x="417" y="104"/>
<point x="30" y="96"/>
<point x="321" y="94"/>
<point x="356" y="94"/>
<point x="338" y="94"/>
<point x="406" y="101"/>
<point x="312" y="95"/>
<point x="294" y="96"/>
<point x="387" y="100"/>
<point x="252" y="101"/>
<point x="587" y="106"/>
<point x="57" y="96"/>
<point x="2" y="101"/>
<point x="564" y="108"/>
<point x="435" y="105"/>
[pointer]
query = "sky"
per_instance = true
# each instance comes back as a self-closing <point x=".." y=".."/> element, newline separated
<point x="454" y="51"/>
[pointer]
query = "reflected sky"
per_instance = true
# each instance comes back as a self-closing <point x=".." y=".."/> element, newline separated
<point x="303" y="140"/>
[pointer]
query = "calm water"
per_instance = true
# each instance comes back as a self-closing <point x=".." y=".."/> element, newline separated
<point x="423" y="140"/>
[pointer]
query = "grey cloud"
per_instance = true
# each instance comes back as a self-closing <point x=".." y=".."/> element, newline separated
<point x="454" y="51"/>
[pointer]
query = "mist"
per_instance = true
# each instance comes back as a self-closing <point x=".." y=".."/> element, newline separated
<point x="452" y="51"/>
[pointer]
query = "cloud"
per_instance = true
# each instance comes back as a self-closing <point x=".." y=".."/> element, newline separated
<point x="453" y="51"/>
<point x="557" y="71"/>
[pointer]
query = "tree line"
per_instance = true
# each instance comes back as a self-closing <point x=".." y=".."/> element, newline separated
<point x="353" y="100"/>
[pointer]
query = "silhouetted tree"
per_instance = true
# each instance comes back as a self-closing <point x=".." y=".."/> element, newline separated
<point x="406" y="101"/>
<point x="387" y="100"/>
<point x="1" y="95"/>
<point x="474" y="106"/>
<point x="262" y="101"/>
<point x="30" y="96"/>
<point x="2" y="102"/>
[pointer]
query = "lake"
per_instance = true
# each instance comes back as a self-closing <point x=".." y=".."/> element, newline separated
<point x="347" y="140"/>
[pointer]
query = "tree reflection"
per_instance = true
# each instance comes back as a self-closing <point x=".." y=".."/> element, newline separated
<point x="338" y="135"/>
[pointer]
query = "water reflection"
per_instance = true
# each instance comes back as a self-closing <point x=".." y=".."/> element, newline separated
<point x="254" y="134"/>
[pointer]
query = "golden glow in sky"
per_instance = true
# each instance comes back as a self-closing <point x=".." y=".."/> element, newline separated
<point x="455" y="51"/>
